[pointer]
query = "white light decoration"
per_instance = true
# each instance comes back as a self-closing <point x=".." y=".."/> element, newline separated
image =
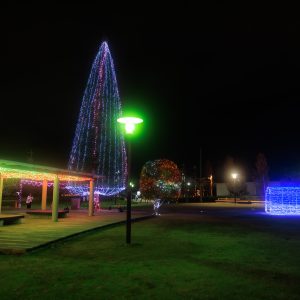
<point x="156" y="205"/>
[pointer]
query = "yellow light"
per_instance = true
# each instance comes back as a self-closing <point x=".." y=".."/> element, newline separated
<point x="234" y="175"/>
<point x="38" y="176"/>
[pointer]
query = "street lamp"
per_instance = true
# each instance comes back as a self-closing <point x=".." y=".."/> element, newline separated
<point x="188" y="189"/>
<point x="234" y="176"/>
<point x="130" y="123"/>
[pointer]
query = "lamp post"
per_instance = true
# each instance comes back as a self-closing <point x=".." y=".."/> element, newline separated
<point x="234" y="176"/>
<point x="188" y="189"/>
<point x="130" y="123"/>
<point x="211" y="184"/>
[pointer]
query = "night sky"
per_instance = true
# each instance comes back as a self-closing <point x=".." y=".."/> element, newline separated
<point x="225" y="81"/>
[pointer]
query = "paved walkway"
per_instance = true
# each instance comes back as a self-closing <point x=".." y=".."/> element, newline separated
<point x="36" y="232"/>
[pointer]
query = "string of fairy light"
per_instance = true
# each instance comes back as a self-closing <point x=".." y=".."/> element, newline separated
<point x="160" y="178"/>
<point x="98" y="145"/>
<point x="36" y="176"/>
<point x="282" y="200"/>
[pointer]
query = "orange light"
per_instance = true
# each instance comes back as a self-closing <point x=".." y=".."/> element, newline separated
<point x="39" y="176"/>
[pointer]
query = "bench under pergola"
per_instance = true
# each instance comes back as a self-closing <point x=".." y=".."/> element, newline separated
<point x="44" y="174"/>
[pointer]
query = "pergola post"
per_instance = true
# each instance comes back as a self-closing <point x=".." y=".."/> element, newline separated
<point x="44" y="194"/>
<point x="1" y="189"/>
<point x="55" y="199"/>
<point x="91" y="198"/>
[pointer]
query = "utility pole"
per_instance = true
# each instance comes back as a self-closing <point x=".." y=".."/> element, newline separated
<point x="195" y="179"/>
<point x="211" y="185"/>
<point x="30" y="157"/>
<point x="200" y="173"/>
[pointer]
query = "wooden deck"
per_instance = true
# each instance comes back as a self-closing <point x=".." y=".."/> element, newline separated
<point x="34" y="233"/>
<point x="46" y="213"/>
<point x="7" y="219"/>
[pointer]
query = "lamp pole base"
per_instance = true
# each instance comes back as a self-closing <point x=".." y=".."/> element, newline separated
<point x="128" y="219"/>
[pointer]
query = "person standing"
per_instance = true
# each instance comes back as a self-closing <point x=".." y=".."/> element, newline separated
<point x="19" y="200"/>
<point x="29" y="201"/>
<point x="96" y="202"/>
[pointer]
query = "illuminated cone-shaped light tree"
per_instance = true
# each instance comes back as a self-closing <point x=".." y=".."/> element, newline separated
<point x="98" y="145"/>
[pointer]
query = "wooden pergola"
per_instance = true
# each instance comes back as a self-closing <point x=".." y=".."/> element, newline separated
<point x="44" y="174"/>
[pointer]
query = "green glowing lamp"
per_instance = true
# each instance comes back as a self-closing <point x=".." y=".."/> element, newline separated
<point x="130" y="123"/>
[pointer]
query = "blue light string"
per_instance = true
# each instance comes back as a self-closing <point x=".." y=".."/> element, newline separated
<point x="99" y="145"/>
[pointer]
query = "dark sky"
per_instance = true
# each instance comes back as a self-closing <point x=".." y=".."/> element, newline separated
<point x="222" y="79"/>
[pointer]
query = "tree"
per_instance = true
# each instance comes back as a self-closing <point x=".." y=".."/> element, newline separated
<point x="160" y="178"/>
<point x="99" y="145"/>
<point x="262" y="170"/>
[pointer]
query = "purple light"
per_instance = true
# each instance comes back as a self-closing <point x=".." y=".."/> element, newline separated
<point x="35" y="183"/>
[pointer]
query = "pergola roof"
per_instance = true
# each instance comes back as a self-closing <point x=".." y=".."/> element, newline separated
<point x="13" y="169"/>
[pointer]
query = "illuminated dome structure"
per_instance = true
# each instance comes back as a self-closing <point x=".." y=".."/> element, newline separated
<point x="160" y="178"/>
<point x="98" y="145"/>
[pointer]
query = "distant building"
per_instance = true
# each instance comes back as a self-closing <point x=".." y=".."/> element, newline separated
<point x="252" y="188"/>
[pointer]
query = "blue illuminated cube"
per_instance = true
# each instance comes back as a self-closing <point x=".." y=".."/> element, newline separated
<point x="282" y="200"/>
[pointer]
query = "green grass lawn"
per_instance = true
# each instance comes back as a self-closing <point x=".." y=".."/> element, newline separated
<point x="171" y="257"/>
